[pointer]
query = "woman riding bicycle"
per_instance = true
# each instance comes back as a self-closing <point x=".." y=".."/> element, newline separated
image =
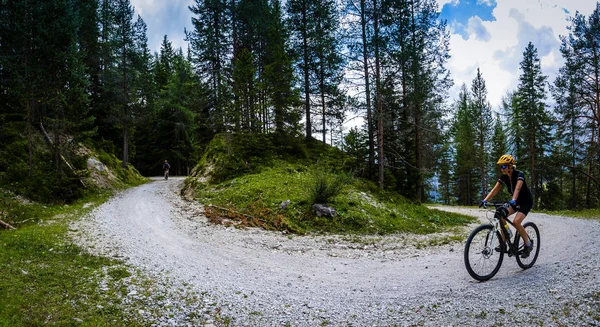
<point x="522" y="199"/>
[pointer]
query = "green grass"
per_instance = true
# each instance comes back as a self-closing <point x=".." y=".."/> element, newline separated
<point x="361" y="207"/>
<point x="47" y="280"/>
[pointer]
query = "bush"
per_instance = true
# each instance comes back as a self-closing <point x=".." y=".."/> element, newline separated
<point x="326" y="185"/>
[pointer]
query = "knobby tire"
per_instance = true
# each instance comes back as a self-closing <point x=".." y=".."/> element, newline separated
<point x="534" y="235"/>
<point x="481" y="259"/>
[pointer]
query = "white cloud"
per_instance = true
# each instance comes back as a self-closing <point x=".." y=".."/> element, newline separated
<point x="497" y="46"/>
<point x="441" y="3"/>
<point x="476" y="27"/>
<point x="165" y="17"/>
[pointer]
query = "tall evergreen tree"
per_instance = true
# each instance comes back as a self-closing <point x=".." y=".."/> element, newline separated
<point x="300" y="14"/>
<point x="44" y="83"/>
<point x="499" y="142"/>
<point x="571" y="134"/>
<point x="499" y="148"/>
<point x="163" y="67"/>
<point x="329" y="62"/>
<point x="445" y="177"/>
<point x="419" y="49"/>
<point x="356" y="147"/>
<point x="465" y="170"/>
<point x="534" y="116"/>
<point x="359" y="13"/>
<point x="514" y="128"/>
<point x="211" y="49"/>
<point x="581" y="74"/>
<point x="127" y="67"/>
<point x="482" y="124"/>
<point x="279" y="75"/>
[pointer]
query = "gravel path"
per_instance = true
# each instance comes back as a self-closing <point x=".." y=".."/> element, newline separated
<point x="257" y="278"/>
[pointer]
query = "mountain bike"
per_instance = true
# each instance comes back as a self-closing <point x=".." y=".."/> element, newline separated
<point x="166" y="174"/>
<point x="485" y="247"/>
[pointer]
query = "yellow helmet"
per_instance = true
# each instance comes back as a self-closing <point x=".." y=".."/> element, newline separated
<point x="506" y="159"/>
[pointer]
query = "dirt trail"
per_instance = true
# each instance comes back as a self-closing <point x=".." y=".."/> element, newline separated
<point x="266" y="278"/>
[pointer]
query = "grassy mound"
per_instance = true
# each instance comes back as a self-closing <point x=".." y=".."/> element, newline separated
<point x="274" y="184"/>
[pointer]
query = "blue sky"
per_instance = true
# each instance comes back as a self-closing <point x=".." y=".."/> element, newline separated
<point x="492" y="35"/>
<point x="489" y="34"/>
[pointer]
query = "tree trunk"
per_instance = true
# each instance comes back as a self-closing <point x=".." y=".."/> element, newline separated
<point x="420" y="189"/>
<point x="418" y="154"/>
<point x="588" y="184"/>
<point x="482" y="168"/>
<point x="363" y="23"/>
<point x="380" y="160"/>
<point x="306" y="70"/>
<point x="29" y="134"/>
<point x="324" y="113"/>
<point x="125" y="146"/>
<point x="534" y="180"/>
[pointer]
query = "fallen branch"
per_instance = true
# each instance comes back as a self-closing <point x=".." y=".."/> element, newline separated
<point x="238" y="213"/>
<point x="6" y="225"/>
<point x="220" y="215"/>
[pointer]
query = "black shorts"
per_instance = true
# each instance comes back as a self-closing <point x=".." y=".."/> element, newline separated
<point x="524" y="207"/>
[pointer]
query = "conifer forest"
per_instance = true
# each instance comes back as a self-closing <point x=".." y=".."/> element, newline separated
<point x="80" y="72"/>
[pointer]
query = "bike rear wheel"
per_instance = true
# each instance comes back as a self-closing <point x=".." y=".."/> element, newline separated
<point x="481" y="259"/>
<point x="534" y="236"/>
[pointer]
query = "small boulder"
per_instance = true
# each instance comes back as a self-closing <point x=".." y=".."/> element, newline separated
<point x="94" y="163"/>
<point x="284" y="204"/>
<point x="323" y="211"/>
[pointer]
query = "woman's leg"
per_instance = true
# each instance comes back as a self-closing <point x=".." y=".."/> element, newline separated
<point x="503" y="222"/>
<point x="519" y="217"/>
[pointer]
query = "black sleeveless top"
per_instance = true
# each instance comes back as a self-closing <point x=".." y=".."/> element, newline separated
<point x="525" y="196"/>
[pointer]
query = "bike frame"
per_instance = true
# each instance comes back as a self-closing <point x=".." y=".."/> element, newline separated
<point x="496" y="223"/>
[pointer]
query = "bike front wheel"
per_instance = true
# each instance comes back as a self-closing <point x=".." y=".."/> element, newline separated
<point x="481" y="259"/>
<point x="534" y="237"/>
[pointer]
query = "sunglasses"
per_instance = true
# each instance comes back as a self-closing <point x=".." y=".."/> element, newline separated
<point x="503" y="167"/>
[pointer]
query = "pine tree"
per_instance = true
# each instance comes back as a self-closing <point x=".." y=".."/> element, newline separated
<point x="300" y="14"/>
<point x="163" y="68"/>
<point x="211" y="47"/>
<point x="243" y="110"/>
<point x="581" y="75"/>
<point x="356" y="147"/>
<point x="534" y="117"/>
<point x="465" y="170"/>
<point x="514" y="128"/>
<point x="44" y="83"/>
<point x="445" y="177"/>
<point x="329" y="63"/>
<point x="250" y="24"/>
<point x="359" y="14"/>
<point x="499" y="148"/>
<point x="279" y="75"/>
<point x="570" y="133"/>
<point x="482" y="124"/>
<point x="418" y="52"/>
<point x="127" y="68"/>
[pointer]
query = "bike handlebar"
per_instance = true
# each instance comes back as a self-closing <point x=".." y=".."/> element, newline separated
<point x="497" y="204"/>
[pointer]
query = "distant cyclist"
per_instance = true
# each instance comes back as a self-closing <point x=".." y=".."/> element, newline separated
<point x="166" y="168"/>
<point x="521" y="196"/>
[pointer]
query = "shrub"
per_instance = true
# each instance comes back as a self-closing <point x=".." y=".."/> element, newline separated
<point x="326" y="185"/>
